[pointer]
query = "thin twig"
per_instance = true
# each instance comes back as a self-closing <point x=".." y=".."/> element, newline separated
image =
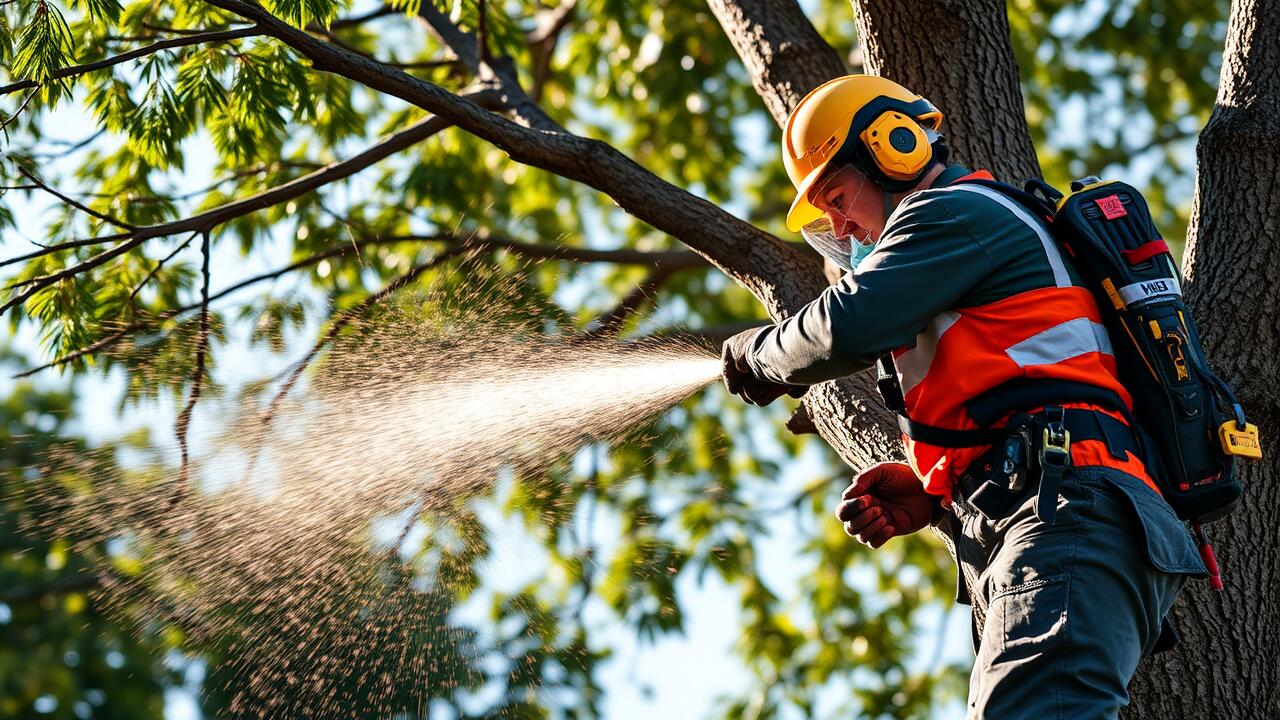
<point x="344" y="23"/>
<point x="159" y="265"/>
<point x="4" y="126"/>
<point x="126" y="330"/>
<point x="197" y="375"/>
<point x="672" y="259"/>
<point x="75" y="203"/>
<point x="611" y="322"/>
<point x="35" y="285"/>
<point x="210" y="219"/>
<point x="482" y="33"/>
<point x="542" y="44"/>
<point x="69" y="146"/>
<point x="169" y="44"/>
<point x="69" y="245"/>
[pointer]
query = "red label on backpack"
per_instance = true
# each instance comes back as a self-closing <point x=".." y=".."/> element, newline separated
<point x="1111" y="207"/>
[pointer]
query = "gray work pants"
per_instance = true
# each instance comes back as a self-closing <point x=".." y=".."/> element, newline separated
<point x="1070" y="608"/>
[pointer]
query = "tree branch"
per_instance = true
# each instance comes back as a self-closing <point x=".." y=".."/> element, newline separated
<point x="197" y="375"/>
<point x="73" y="202"/>
<point x="55" y="586"/>
<point x="670" y="259"/>
<point x="169" y="44"/>
<point x="751" y="256"/>
<point x="542" y="44"/>
<point x="674" y="259"/>
<point x="4" y="125"/>
<point x="353" y="21"/>
<point x="610" y="323"/>
<point x="784" y="54"/>
<point x="206" y="221"/>
<point x="159" y="265"/>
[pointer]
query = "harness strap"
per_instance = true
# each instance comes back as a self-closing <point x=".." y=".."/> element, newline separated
<point x="1082" y="424"/>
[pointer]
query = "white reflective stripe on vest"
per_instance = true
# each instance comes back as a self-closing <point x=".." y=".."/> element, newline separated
<point x="914" y="364"/>
<point x="1061" y="342"/>
<point x="1061" y="277"/>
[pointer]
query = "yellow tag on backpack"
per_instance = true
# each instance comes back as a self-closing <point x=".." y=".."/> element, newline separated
<point x="1243" y="443"/>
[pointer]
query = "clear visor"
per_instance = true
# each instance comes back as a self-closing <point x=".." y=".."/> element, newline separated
<point x="835" y="234"/>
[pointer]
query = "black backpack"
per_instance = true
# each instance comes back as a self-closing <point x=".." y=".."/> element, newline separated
<point x="1194" y="427"/>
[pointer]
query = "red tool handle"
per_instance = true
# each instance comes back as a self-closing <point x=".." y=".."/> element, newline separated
<point x="1206" y="554"/>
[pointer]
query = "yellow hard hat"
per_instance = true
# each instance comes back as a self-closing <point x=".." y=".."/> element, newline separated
<point x="889" y="121"/>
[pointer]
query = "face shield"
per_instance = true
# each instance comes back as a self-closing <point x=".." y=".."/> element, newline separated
<point x="835" y="234"/>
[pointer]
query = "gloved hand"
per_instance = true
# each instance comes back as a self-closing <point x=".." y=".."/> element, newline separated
<point x="739" y="379"/>
<point x="884" y="501"/>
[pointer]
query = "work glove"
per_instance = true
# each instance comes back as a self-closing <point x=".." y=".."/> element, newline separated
<point x="885" y="501"/>
<point x="739" y="378"/>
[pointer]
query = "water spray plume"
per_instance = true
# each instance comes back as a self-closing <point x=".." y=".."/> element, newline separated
<point x="299" y="552"/>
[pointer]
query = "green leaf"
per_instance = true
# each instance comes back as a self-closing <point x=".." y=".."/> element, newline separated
<point x="44" y="46"/>
<point x="102" y="11"/>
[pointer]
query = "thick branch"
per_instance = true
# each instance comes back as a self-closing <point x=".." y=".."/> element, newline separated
<point x="754" y="258"/>
<point x="957" y="53"/>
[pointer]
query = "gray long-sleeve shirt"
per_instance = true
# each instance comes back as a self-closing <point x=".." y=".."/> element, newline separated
<point x="940" y="249"/>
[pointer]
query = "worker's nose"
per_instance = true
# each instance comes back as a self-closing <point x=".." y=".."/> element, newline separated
<point x="841" y="224"/>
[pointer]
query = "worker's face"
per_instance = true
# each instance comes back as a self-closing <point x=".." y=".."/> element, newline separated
<point x="852" y="203"/>
<point x="853" y="217"/>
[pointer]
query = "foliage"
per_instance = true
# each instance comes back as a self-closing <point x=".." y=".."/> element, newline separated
<point x="62" y="651"/>
<point x="656" y="79"/>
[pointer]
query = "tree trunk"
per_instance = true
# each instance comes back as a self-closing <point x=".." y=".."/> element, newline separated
<point x="1226" y="666"/>
<point x="781" y="49"/>
<point x="957" y="54"/>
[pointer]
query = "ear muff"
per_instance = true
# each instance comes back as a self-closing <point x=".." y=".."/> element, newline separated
<point x="898" y="145"/>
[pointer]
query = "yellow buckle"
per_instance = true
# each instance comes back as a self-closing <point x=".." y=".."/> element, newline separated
<point x="1235" y="441"/>
<point x="1057" y="442"/>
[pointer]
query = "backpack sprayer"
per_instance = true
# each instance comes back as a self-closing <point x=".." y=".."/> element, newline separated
<point x="1193" y="427"/>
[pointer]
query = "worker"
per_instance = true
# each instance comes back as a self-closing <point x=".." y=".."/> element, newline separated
<point x="1068" y="554"/>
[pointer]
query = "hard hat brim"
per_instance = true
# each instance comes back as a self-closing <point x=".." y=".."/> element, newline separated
<point x="802" y="211"/>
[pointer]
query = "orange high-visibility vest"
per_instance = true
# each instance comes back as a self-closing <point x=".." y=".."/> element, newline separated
<point x="1049" y="333"/>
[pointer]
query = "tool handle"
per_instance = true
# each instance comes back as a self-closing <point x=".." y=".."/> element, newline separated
<point x="1206" y="554"/>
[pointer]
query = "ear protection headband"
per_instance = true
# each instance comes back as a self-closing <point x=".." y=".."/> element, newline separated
<point x="894" y="141"/>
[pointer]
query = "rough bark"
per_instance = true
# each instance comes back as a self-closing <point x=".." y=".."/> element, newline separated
<point x="780" y="48"/>
<point x="1227" y="667"/>
<point x="957" y="54"/>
